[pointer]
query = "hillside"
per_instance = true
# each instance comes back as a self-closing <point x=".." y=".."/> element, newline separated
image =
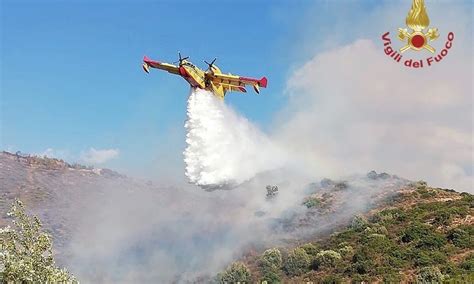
<point x="421" y="233"/>
<point x="111" y="228"/>
<point x="53" y="189"/>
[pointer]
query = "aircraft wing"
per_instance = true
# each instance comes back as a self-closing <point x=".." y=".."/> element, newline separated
<point x="237" y="83"/>
<point x="147" y="63"/>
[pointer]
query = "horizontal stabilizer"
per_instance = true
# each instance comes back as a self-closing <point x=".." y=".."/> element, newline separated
<point x="146" y="68"/>
<point x="256" y="88"/>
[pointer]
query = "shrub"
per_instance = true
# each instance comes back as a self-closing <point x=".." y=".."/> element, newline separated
<point x="427" y="258"/>
<point x="467" y="197"/>
<point x="310" y="249"/>
<point x="359" y="223"/>
<point x="450" y="269"/>
<point x="297" y="262"/>
<point x="396" y="261"/>
<point x="311" y="202"/>
<point x="426" y="193"/>
<point x="377" y="243"/>
<point x="468" y="263"/>
<point x="327" y="258"/>
<point x="460" y="238"/>
<point x="26" y="252"/>
<point x="430" y="274"/>
<point x="272" y="191"/>
<point x="432" y="240"/>
<point x="363" y="267"/>
<point x="346" y="251"/>
<point x="421" y="184"/>
<point x="236" y="272"/>
<point x="424" y="236"/>
<point x="372" y="175"/>
<point x="270" y="277"/>
<point x="377" y="229"/>
<point x="443" y="217"/>
<point x="271" y="257"/>
<point x="362" y="261"/>
<point x="270" y="263"/>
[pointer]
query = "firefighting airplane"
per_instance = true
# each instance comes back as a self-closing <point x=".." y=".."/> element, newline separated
<point x="212" y="79"/>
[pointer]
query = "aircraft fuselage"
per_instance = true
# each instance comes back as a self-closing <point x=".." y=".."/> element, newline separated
<point x="212" y="79"/>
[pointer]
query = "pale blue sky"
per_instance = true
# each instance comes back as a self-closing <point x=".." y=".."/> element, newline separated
<point x="71" y="76"/>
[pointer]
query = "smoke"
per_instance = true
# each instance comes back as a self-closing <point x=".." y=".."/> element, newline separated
<point x="223" y="148"/>
<point x="130" y="232"/>
<point x="125" y="231"/>
<point x="348" y="120"/>
<point x="351" y="108"/>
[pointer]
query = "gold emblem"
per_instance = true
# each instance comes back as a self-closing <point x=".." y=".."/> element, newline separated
<point x="417" y="20"/>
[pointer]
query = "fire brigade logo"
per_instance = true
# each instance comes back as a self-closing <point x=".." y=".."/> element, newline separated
<point x="417" y="36"/>
<point x="417" y="20"/>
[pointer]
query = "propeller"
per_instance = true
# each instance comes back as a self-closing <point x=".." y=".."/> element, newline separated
<point x="180" y="58"/>
<point x="210" y="64"/>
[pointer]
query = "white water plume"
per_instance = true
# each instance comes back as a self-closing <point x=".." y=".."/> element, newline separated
<point x="223" y="148"/>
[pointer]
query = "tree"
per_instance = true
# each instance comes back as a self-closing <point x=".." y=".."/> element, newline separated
<point x="327" y="258"/>
<point x="310" y="249"/>
<point x="297" y="263"/>
<point x="270" y="263"/>
<point x="237" y="272"/>
<point x="26" y="251"/>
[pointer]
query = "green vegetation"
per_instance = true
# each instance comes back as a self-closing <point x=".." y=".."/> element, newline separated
<point x="468" y="263"/>
<point x="423" y="235"/>
<point x="270" y="265"/>
<point x="311" y="202"/>
<point x="430" y="275"/>
<point x="359" y="223"/>
<point x="327" y="258"/>
<point x="236" y="272"/>
<point x="26" y="252"/>
<point x="297" y="262"/>
<point x="322" y="203"/>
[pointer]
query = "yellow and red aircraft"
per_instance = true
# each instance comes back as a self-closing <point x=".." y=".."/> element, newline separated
<point x="212" y="79"/>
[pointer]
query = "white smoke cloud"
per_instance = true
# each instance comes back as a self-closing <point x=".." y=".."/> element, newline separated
<point x="94" y="156"/>
<point x="224" y="148"/>
<point x="354" y="109"/>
